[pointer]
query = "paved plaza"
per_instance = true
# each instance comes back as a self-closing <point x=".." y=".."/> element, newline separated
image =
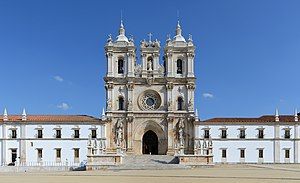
<point x="218" y="173"/>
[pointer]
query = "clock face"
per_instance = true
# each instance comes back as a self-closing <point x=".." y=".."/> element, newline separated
<point x="149" y="100"/>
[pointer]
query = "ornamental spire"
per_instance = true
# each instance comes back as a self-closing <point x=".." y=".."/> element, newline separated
<point x="121" y="36"/>
<point x="178" y="36"/>
<point x="24" y="115"/>
<point x="5" y="116"/>
<point x="296" y="115"/>
<point x="276" y="115"/>
<point x="196" y="115"/>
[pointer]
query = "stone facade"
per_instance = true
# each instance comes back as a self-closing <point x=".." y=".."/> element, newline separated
<point x="153" y="96"/>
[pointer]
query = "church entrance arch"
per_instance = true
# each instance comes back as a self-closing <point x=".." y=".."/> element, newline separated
<point x="150" y="143"/>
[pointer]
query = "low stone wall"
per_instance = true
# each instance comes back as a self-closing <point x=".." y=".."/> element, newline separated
<point x="96" y="162"/>
<point x="34" y="168"/>
<point x="195" y="160"/>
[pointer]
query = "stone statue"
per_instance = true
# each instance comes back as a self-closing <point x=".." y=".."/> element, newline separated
<point x="181" y="131"/>
<point x="119" y="132"/>
<point x="149" y="65"/>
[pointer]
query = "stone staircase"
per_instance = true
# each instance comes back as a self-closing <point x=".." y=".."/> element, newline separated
<point x="149" y="162"/>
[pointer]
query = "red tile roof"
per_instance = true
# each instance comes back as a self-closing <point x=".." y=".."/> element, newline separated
<point x="52" y="118"/>
<point x="262" y="119"/>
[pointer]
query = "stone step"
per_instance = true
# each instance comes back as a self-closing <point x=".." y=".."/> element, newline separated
<point x="149" y="162"/>
<point x="150" y="159"/>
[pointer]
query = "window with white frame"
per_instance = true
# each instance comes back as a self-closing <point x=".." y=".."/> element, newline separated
<point x="287" y="133"/>
<point x="223" y="133"/>
<point x="260" y="153"/>
<point x="224" y="153"/>
<point x="58" y="153"/>
<point x="13" y="133"/>
<point x="260" y="133"/>
<point x="287" y="153"/>
<point x="94" y="133"/>
<point x="206" y="133"/>
<point x="242" y="153"/>
<point x="242" y="133"/>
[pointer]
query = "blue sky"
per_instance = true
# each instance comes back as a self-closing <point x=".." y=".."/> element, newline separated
<point x="247" y="58"/>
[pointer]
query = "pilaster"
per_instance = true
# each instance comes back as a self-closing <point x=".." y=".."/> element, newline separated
<point x="296" y="143"/>
<point x="277" y="143"/>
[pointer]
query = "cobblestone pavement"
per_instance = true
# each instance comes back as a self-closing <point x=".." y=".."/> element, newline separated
<point x="218" y="173"/>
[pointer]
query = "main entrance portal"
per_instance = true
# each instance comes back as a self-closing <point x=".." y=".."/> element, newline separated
<point x="150" y="143"/>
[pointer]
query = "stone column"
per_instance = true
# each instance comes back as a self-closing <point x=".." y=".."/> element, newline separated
<point x="170" y="100"/>
<point x="144" y="65"/>
<point x="130" y="57"/>
<point x="169" y="65"/>
<point x="129" y="135"/>
<point x="155" y="63"/>
<point x="170" y="136"/>
<point x="277" y="143"/>
<point x="190" y="65"/>
<point x="296" y="141"/>
<point x="109" y="57"/>
<point x="190" y="99"/>
<point x="109" y="96"/>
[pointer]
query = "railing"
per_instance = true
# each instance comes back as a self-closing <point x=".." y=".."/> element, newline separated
<point x="43" y="163"/>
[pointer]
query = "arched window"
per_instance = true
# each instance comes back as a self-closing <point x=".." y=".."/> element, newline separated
<point x="121" y="103"/>
<point x="179" y="66"/>
<point x="120" y="66"/>
<point x="180" y="103"/>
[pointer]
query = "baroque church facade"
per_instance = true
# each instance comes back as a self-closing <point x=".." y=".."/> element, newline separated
<point x="150" y="99"/>
<point x="149" y="110"/>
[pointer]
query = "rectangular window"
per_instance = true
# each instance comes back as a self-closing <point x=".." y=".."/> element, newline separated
<point x="287" y="134"/>
<point x="242" y="153"/>
<point x="40" y="134"/>
<point x="76" y="133"/>
<point x="94" y="134"/>
<point x="58" y="153"/>
<point x="206" y="134"/>
<point x="40" y="153"/>
<point x="261" y="134"/>
<point x="261" y="153"/>
<point x="58" y="134"/>
<point x="242" y="133"/>
<point x="76" y="153"/>
<point x="224" y="153"/>
<point x="224" y="134"/>
<point x="14" y="134"/>
<point x="287" y="153"/>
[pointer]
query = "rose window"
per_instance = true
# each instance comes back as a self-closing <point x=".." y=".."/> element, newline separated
<point x="149" y="100"/>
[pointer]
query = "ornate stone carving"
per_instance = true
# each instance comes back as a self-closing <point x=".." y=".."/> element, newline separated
<point x="191" y="105"/>
<point x="149" y="80"/>
<point x="108" y="104"/>
<point x="192" y="55"/>
<point x="169" y="86"/>
<point x="130" y="105"/>
<point x="130" y="86"/>
<point x="109" y="86"/>
<point x="109" y="54"/>
<point x="191" y="86"/>
<point x="149" y="100"/>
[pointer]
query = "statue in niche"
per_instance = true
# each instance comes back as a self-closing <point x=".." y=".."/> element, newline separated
<point x="119" y="132"/>
<point x="149" y="64"/>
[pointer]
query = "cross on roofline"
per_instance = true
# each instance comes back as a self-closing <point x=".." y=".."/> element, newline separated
<point x="150" y="35"/>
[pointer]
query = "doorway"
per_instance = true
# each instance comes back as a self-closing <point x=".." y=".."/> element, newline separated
<point x="150" y="143"/>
